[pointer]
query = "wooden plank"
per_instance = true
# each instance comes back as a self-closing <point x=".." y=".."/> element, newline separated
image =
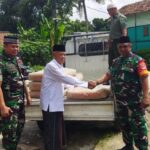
<point x="78" y="110"/>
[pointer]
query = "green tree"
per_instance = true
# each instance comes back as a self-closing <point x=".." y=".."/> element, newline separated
<point x="99" y="24"/>
<point x="30" y="12"/>
<point x="77" y="26"/>
<point x="8" y="15"/>
<point x="36" y="43"/>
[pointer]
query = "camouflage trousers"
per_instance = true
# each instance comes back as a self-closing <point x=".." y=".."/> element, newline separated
<point x="12" y="126"/>
<point x="133" y="125"/>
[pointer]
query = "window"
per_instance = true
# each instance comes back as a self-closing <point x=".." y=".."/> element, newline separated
<point x="90" y="49"/>
<point x="146" y="32"/>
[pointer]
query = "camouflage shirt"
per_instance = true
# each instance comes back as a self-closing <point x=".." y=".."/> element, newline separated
<point x="12" y="83"/>
<point x="125" y="73"/>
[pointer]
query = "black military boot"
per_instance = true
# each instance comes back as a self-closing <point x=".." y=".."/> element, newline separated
<point x="127" y="147"/>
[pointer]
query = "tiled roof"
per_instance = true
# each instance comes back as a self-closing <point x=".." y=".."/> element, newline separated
<point x="137" y="7"/>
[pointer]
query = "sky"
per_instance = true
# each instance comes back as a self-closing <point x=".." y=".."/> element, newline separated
<point x="96" y="10"/>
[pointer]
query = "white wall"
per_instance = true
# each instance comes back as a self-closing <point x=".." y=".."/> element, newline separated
<point x="141" y="19"/>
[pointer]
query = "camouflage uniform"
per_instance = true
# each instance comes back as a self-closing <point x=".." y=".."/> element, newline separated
<point x="127" y="88"/>
<point x="12" y="87"/>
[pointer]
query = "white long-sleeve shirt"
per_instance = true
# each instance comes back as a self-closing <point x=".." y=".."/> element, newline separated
<point x="51" y="95"/>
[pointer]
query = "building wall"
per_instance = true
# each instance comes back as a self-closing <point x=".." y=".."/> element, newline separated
<point x="139" y="30"/>
<point x="142" y="18"/>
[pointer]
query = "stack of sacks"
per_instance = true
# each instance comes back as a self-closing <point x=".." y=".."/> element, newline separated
<point x="78" y="93"/>
<point x="36" y="78"/>
<point x="73" y="72"/>
<point x="35" y="85"/>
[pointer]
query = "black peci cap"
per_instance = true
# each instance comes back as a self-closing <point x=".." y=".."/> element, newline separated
<point x="11" y="39"/>
<point x="124" y="39"/>
<point x="59" y="48"/>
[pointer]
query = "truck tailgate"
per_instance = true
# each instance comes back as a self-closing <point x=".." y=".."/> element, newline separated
<point x="81" y="110"/>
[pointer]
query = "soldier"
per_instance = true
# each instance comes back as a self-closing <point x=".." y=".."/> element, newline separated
<point x="118" y="28"/>
<point x="129" y="76"/>
<point x="12" y="93"/>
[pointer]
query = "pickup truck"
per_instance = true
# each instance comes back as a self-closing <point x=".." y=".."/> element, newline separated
<point x="92" y="62"/>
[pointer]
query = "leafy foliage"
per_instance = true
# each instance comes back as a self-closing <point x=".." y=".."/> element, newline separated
<point x="77" y="26"/>
<point x="34" y="50"/>
<point x="99" y="24"/>
<point x="29" y="12"/>
<point x="8" y="15"/>
<point x="36" y="43"/>
<point x="36" y="68"/>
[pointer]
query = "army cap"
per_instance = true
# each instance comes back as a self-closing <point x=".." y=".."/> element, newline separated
<point x="11" y="39"/>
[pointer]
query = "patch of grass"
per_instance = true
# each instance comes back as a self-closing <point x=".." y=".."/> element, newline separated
<point x="36" y="68"/>
<point x="108" y="140"/>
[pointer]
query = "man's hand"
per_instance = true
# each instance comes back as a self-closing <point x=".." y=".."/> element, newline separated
<point x="92" y="84"/>
<point x="5" y="111"/>
<point x="145" y="102"/>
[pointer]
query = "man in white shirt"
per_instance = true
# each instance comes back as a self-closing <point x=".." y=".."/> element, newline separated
<point x="52" y="100"/>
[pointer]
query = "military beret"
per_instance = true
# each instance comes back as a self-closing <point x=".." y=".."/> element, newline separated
<point x="59" y="48"/>
<point x="11" y="39"/>
<point x="124" y="39"/>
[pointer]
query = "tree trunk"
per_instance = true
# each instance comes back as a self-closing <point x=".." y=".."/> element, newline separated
<point x="85" y="14"/>
<point x="53" y="6"/>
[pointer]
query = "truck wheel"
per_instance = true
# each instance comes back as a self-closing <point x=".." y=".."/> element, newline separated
<point x="40" y="125"/>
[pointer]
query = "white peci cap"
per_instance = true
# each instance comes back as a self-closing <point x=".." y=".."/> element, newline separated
<point x="111" y="6"/>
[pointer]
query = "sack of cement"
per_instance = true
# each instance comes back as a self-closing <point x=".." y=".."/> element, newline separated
<point x="78" y="93"/>
<point x="79" y="76"/>
<point x="36" y="76"/>
<point x="69" y="71"/>
<point x="35" y="94"/>
<point x="35" y="86"/>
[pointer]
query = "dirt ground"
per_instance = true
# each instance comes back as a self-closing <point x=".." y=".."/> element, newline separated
<point x="114" y="141"/>
<point x="79" y="137"/>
